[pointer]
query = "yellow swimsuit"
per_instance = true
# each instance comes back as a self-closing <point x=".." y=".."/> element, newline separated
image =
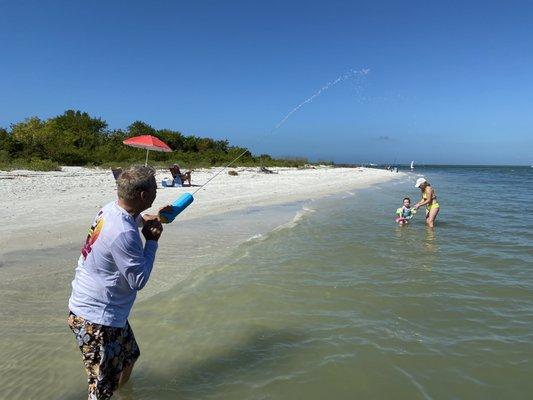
<point x="433" y="203"/>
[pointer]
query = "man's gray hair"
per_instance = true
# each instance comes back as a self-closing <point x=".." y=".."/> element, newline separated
<point x="133" y="180"/>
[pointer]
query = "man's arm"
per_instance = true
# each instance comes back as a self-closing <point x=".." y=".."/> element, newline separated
<point x="134" y="262"/>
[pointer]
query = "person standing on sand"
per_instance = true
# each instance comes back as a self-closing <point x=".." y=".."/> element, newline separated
<point x="429" y="199"/>
<point x="112" y="267"/>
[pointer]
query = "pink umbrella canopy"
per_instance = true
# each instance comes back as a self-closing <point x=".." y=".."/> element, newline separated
<point x="147" y="142"/>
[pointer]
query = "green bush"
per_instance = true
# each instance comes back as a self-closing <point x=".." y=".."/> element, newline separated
<point x="4" y="157"/>
<point x="37" y="164"/>
<point x="33" y="164"/>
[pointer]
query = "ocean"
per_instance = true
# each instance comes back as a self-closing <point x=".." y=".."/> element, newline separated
<point x="311" y="300"/>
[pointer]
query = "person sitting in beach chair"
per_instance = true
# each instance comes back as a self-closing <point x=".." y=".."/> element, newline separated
<point x="116" y="172"/>
<point x="179" y="177"/>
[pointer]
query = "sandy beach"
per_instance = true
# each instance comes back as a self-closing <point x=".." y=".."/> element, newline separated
<point x="47" y="209"/>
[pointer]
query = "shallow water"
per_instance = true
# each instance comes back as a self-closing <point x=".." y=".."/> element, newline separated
<point x="336" y="302"/>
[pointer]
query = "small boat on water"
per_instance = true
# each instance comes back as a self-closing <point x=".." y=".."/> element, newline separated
<point x="412" y="165"/>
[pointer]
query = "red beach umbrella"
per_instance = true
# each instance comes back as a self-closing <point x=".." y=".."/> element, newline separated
<point x="147" y="142"/>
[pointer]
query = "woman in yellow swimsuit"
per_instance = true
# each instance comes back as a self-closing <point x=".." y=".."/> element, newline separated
<point x="429" y="199"/>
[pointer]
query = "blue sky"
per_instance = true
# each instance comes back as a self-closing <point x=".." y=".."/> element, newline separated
<point x="449" y="82"/>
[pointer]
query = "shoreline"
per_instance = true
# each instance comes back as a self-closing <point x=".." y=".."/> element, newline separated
<point x="50" y="209"/>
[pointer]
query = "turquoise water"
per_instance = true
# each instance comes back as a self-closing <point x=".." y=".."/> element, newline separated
<point x="340" y="302"/>
<point x="344" y="304"/>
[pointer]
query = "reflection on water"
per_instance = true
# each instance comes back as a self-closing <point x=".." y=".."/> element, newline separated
<point x="431" y="240"/>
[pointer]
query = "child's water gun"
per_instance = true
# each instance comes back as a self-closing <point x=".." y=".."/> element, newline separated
<point x="178" y="206"/>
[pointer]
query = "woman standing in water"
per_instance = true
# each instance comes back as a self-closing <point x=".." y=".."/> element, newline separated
<point x="429" y="199"/>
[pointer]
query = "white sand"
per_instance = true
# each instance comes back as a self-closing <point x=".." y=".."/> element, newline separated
<point x="46" y="209"/>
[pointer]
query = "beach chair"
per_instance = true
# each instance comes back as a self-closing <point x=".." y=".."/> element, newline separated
<point x="116" y="172"/>
<point x="178" y="176"/>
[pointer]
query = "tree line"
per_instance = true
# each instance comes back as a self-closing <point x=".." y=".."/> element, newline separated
<point x="76" y="138"/>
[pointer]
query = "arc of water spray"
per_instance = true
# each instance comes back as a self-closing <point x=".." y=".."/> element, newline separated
<point x="342" y="78"/>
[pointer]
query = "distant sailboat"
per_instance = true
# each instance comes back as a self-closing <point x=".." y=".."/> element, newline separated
<point x="412" y="165"/>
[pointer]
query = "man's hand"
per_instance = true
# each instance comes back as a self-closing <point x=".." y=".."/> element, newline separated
<point x="151" y="217"/>
<point x="152" y="229"/>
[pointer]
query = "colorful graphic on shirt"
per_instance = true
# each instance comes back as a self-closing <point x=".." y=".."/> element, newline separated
<point x="92" y="236"/>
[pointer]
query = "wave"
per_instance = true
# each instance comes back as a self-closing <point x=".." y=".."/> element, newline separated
<point x="348" y="195"/>
<point x="255" y="238"/>
<point x="297" y="219"/>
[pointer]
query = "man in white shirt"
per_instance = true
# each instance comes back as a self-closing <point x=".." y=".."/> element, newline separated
<point x="113" y="265"/>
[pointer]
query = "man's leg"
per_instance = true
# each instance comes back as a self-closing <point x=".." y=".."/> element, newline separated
<point x="125" y="375"/>
<point x="97" y="347"/>
<point x="131" y="353"/>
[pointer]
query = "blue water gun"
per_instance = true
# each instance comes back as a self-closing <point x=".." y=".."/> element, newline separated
<point x="178" y="206"/>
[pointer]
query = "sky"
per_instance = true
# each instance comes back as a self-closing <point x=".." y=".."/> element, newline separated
<point x="435" y="82"/>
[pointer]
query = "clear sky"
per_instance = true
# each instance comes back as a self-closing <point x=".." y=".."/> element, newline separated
<point x="449" y="81"/>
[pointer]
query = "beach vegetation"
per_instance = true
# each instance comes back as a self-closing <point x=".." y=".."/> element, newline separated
<point x="32" y="164"/>
<point x="77" y="138"/>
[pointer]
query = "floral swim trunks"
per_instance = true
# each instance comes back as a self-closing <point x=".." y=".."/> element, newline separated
<point x="106" y="351"/>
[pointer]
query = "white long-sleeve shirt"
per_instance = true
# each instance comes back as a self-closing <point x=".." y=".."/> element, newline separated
<point x="112" y="267"/>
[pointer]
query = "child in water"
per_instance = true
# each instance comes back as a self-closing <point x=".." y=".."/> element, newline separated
<point x="405" y="213"/>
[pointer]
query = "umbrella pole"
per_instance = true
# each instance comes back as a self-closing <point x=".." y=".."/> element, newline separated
<point x="146" y="161"/>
